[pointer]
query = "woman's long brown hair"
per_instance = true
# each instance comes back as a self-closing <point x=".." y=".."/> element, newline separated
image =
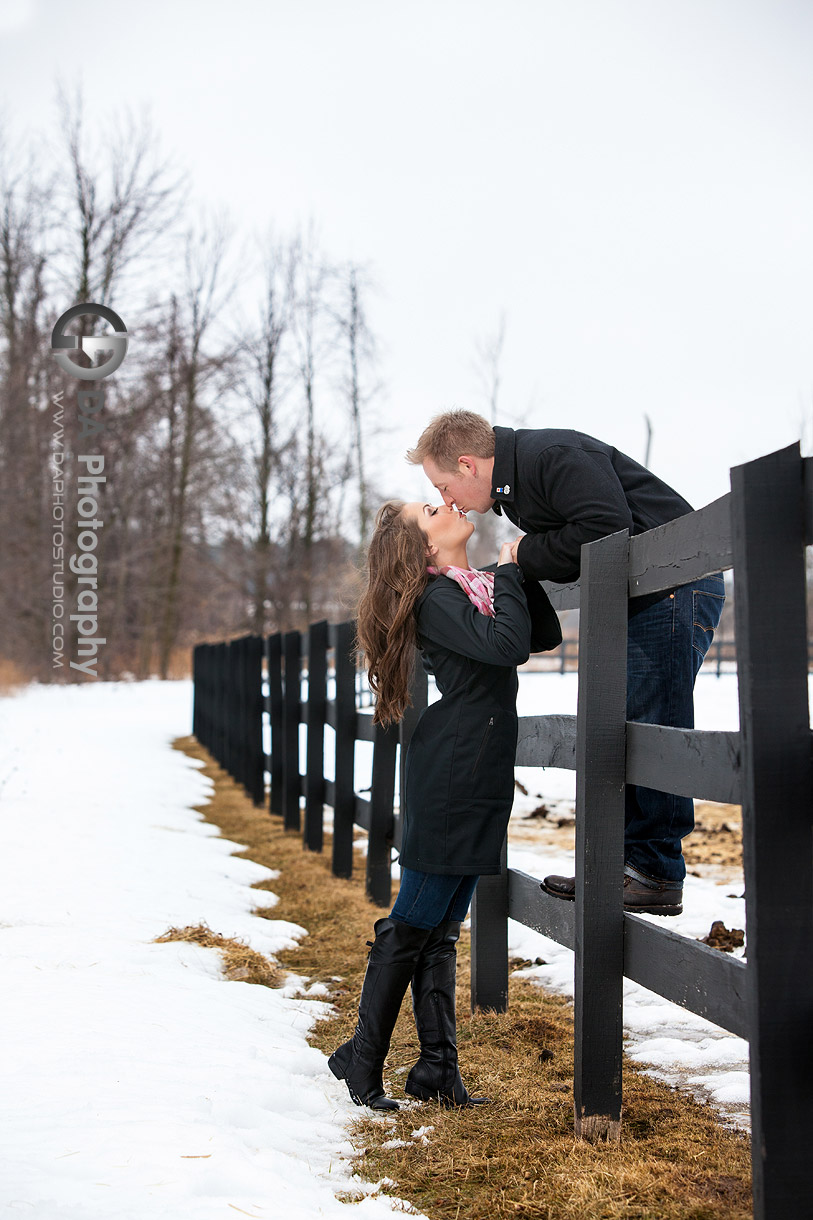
<point x="386" y="626"/>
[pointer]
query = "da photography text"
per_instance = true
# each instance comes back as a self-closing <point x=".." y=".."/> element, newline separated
<point x="83" y="561"/>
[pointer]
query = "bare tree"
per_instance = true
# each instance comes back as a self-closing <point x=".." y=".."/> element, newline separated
<point x="311" y="346"/>
<point x="211" y="526"/>
<point x="122" y="201"/>
<point x="192" y="367"/>
<point x="483" y="547"/>
<point x="148" y="472"/>
<point x="25" y="420"/>
<point x="264" y="385"/>
<point x="119" y="204"/>
<point x="298" y="594"/>
<point x="648" y="449"/>
<point x="488" y="364"/>
<point x="361" y="351"/>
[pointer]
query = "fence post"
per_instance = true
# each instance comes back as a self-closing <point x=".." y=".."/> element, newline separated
<point x="768" y="524"/>
<point x="273" y="660"/>
<point x="211" y="703"/>
<point x="197" y="690"/>
<point x="344" y="804"/>
<point x="207" y="690"/>
<point x="315" y="753"/>
<point x="255" y="762"/>
<point x="379" y="836"/>
<point x="245" y="712"/>
<point x="208" y="725"/>
<point x="600" y="771"/>
<point x="231" y="707"/>
<point x="222" y="707"/>
<point x="489" y="939"/>
<point x="240" y="710"/>
<point x="212" y="721"/>
<point x="291" y="783"/>
<point x="236" y="717"/>
<point x="199" y="705"/>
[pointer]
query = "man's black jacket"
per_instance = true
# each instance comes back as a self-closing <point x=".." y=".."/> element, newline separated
<point x="564" y="488"/>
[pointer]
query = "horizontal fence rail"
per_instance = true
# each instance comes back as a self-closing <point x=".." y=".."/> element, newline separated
<point x="760" y="530"/>
<point x="720" y="659"/>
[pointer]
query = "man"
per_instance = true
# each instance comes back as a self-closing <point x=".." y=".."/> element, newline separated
<point x="564" y="488"/>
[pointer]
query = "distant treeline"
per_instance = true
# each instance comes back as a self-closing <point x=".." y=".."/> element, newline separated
<point x="236" y="435"/>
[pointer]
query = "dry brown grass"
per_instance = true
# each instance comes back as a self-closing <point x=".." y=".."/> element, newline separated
<point x="518" y="1155"/>
<point x="241" y="963"/>
<point x="12" y="676"/>
<point x="180" y="663"/>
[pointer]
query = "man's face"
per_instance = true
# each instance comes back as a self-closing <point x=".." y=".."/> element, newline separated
<point x="469" y="487"/>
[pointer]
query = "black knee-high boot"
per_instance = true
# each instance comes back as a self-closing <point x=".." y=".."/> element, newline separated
<point x="436" y="1076"/>
<point x="390" y="965"/>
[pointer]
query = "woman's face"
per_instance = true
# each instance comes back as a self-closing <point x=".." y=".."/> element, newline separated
<point x="447" y="528"/>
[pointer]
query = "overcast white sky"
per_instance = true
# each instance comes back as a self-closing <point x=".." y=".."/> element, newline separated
<point x="631" y="181"/>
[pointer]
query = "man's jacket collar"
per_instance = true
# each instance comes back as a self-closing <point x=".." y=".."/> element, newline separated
<point x="505" y="468"/>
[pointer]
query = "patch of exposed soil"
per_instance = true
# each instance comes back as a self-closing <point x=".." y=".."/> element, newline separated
<point x="723" y="938"/>
<point x="716" y="841"/>
<point x="713" y="849"/>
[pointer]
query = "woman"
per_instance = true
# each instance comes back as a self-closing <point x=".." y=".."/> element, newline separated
<point x="473" y="629"/>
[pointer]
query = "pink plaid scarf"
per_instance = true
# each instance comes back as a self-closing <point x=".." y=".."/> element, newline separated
<point x="478" y="586"/>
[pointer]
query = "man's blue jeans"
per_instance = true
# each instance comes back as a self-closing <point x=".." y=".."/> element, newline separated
<point x="426" y="900"/>
<point x="667" y="640"/>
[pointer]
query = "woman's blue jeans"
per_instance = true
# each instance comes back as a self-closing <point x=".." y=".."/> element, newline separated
<point x="426" y="900"/>
<point x="666" y="643"/>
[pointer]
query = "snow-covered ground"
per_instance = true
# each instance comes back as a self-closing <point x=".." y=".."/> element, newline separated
<point x="136" y="1082"/>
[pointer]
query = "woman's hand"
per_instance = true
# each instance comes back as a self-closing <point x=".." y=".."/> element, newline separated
<point x="506" y="555"/>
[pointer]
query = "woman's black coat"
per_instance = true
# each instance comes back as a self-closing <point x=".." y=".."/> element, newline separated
<point x="459" y="771"/>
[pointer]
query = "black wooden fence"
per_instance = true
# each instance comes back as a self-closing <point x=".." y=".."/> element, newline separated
<point x="227" y="712"/>
<point x="721" y="657"/>
<point x="760" y="530"/>
<point x="231" y="713"/>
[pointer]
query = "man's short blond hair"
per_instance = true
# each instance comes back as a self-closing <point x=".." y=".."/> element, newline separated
<point x="448" y="436"/>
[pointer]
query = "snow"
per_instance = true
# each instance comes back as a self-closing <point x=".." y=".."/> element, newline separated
<point x="136" y="1081"/>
